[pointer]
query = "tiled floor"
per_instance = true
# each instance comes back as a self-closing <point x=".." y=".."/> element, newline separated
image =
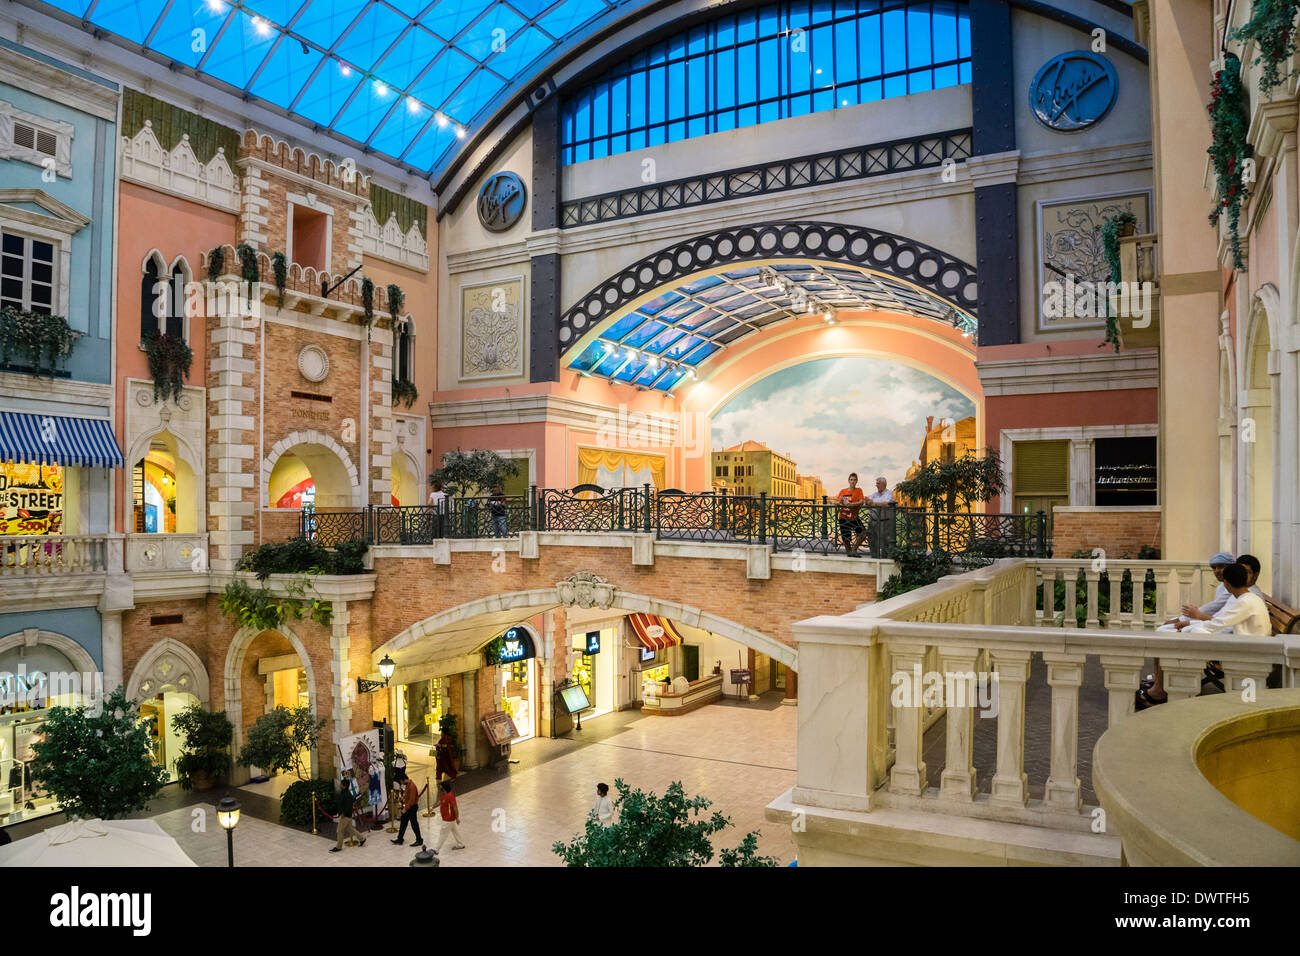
<point x="740" y="756"/>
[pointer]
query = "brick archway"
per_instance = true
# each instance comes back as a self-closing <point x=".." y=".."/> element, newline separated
<point x="523" y="604"/>
<point x="234" y="683"/>
<point x="308" y="439"/>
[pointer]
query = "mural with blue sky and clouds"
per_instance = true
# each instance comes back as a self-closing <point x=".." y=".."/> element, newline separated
<point x="837" y="415"/>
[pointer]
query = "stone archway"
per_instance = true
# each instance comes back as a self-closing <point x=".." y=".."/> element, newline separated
<point x="919" y="265"/>
<point x="169" y="662"/>
<point x="234" y="685"/>
<point x="331" y="468"/>
<point x="1258" y="432"/>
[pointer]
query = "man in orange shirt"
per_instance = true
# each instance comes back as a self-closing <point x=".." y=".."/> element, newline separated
<point x="851" y="530"/>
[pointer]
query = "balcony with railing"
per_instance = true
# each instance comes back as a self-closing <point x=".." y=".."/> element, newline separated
<point x="956" y="723"/>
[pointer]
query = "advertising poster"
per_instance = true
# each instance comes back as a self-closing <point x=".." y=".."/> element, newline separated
<point x="363" y="754"/>
<point x="31" y="499"/>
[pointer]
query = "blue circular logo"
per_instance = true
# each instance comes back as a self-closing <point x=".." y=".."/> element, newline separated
<point x="501" y="201"/>
<point x="1073" y="91"/>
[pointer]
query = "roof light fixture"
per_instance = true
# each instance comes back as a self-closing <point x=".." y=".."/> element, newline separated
<point x="261" y="26"/>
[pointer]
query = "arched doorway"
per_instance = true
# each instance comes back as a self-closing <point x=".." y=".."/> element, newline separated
<point x="406" y="483"/>
<point x="165" y="493"/>
<point x="264" y="670"/>
<point x="169" y="678"/>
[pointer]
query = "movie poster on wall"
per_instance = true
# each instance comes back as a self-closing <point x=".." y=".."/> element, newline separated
<point x="31" y="499"/>
<point x="363" y="754"/>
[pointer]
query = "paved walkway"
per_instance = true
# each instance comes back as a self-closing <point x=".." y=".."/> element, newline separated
<point x="740" y="756"/>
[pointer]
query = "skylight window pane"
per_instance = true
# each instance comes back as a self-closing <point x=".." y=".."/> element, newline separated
<point x="401" y="128"/>
<point x="411" y="8"/>
<point x="570" y="15"/>
<point x="285" y="73"/>
<point x="519" y="52"/>
<point x="277" y="11"/>
<point x="176" y="37"/>
<point x="491" y="34"/>
<point x="531" y="8"/>
<point x="474" y="95"/>
<point x="895" y="46"/>
<point x="324" y="20"/>
<point x="365" y="112"/>
<point x="411" y="55"/>
<point x="449" y="17"/>
<point x="375" y="33"/>
<point x="240" y="50"/>
<point x="75" y="7"/>
<point x="133" y="19"/>
<point x="447" y="73"/>
<point x="435" y="141"/>
<point x="326" y="94"/>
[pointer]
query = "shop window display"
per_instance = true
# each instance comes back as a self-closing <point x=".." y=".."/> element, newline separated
<point x="517" y="695"/>
<point x="421" y="707"/>
<point x="25" y="702"/>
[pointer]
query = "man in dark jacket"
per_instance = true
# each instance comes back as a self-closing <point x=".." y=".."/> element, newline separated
<point x="410" y="811"/>
<point x="344" y="804"/>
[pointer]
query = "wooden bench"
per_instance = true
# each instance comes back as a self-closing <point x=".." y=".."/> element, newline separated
<point x="1286" y="620"/>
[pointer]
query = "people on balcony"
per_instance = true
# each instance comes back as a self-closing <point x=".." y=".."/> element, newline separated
<point x="1206" y="611"/>
<point x="497" y="510"/>
<point x="851" y="530"/>
<point x="880" y="529"/>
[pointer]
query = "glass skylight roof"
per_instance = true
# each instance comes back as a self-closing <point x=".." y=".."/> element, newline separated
<point x="659" y="344"/>
<point x="407" y="78"/>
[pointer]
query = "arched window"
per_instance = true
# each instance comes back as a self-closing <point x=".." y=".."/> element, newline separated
<point x="162" y="303"/>
<point x="403" y="357"/>
<point x="768" y="63"/>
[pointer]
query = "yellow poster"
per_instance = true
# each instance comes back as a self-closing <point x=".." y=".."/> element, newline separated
<point x="31" y="499"/>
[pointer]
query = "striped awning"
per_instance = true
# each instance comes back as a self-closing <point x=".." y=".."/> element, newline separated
<point x="58" y="440"/>
<point x="654" y="632"/>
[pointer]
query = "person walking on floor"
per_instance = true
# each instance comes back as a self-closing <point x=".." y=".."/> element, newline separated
<point x="346" y="799"/>
<point x="411" y="813"/>
<point x="450" y="818"/>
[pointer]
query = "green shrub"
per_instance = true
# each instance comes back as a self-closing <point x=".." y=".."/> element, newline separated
<point x="305" y="556"/>
<point x="206" y="749"/>
<point x="295" y="804"/>
<point x="916" y="569"/>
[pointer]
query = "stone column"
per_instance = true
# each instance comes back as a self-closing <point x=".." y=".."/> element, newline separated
<point x="1122" y="676"/>
<point x="110" y="633"/>
<point x="957" y="782"/>
<point x="469" y="717"/>
<point x="1065" y="675"/>
<point x="791" y="687"/>
<point x="342" y="678"/>
<point x="908" y="775"/>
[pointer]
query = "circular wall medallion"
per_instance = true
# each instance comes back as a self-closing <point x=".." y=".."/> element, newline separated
<point x="1073" y="91"/>
<point x="313" y="363"/>
<point x="501" y="201"/>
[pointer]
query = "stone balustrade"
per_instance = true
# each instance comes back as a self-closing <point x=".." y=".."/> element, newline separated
<point x="43" y="555"/>
<point x="961" y="651"/>
<point x="1127" y="585"/>
<point x="167" y="552"/>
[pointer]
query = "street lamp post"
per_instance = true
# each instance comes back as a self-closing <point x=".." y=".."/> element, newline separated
<point x="386" y="667"/>
<point x="228" y="817"/>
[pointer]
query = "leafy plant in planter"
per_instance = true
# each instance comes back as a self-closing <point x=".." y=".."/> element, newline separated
<point x="259" y="608"/>
<point x="295" y="803"/>
<point x="916" y="569"/>
<point x="1120" y="224"/>
<point x="248" y="270"/>
<point x="1272" y="28"/>
<point x="367" y="301"/>
<point x="216" y="263"/>
<point x="280" y="267"/>
<point x="472" y="472"/>
<point x="305" y="556"/>
<point x="205" y="754"/>
<point x="97" y="764"/>
<point x="396" y="299"/>
<point x="1229" y="124"/>
<point x="404" y="391"/>
<point x="658" y="831"/>
<point x="278" y="740"/>
<point x="169" y="364"/>
<point x="35" y="339"/>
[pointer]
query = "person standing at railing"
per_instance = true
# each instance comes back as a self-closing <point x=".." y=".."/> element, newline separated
<point x="878" y="530"/>
<point x="438" y="502"/>
<point x="851" y="530"/>
<point x="497" y="510"/>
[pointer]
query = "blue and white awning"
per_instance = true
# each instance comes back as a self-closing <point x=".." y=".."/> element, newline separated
<point x="57" y="440"/>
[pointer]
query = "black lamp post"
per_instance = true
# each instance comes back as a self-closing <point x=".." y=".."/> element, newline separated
<point x="386" y="667"/>
<point x="228" y="817"/>
<point x="425" y="858"/>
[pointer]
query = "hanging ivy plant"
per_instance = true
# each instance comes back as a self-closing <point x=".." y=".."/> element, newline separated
<point x="216" y="262"/>
<point x="1229" y="122"/>
<point x="1111" y="231"/>
<point x="396" y="299"/>
<point x="280" y="266"/>
<point x="248" y="270"/>
<point x="368" y="300"/>
<point x="169" y="364"/>
<point x="260" y="609"/>
<point x="36" y="340"/>
<point x="404" y="391"/>
<point x="1272" y="28"/>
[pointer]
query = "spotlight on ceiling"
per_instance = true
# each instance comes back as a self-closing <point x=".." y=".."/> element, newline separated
<point x="460" y="132"/>
<point x="442" y="120"/>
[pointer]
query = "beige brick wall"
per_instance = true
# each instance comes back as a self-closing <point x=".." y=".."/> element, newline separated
<point x="1117" y="531"/>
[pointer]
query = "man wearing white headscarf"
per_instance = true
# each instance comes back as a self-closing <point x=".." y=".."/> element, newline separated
<point x="1206" y="611"/>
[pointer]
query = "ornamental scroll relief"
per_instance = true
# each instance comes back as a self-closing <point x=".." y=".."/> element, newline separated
<point x="586" y="590"/>
<point x="492" y="329"/>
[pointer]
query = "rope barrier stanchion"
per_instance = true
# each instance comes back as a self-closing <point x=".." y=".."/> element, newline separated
<point x="392" y="817"/>
<point x="428" y="803"/>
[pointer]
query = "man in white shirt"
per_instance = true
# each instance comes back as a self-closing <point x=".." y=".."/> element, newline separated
<point x="882" y="495"/>
<point x="880" y="525"/>
<point x="1206" y="611"/>
<point x="604" y="806"/>
<point x="438" y="502"/>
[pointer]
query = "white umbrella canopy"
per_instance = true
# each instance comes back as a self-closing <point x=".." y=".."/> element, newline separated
<point x="97" y="843"/>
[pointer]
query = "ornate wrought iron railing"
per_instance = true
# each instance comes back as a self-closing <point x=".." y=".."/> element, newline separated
<point x="787" y="524"/>
<point x="860" y="162"/>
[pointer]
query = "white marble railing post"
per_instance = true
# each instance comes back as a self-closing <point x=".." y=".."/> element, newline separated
<point x="1167" y="603"/>
<point x="1010" y="783"/>
<point x="908" y="775"/>
<point x="1065" y="675"/>
<point x="1235" y="672"/>
<point x="1047" y="616"/>
<point x="1092" y="577"/>
<point x="1182" y="677"/>
<point x="1071" y="597"/>
<point x="1122" y="676"/>
<point x="1139" y="618"/>
<point x="957" y="782"/>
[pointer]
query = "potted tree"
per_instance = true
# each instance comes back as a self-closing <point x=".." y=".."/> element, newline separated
<point x="206" y="754"/>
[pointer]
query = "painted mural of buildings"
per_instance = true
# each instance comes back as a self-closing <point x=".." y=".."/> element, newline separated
<point x="751" y="468"/>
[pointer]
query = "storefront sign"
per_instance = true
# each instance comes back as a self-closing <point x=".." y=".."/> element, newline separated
<point x="501" y="201"/>
<point x="593" y="642"/>
<point x="31" y="499"/>
<point x="516" y="645"/>
<point x="1073" y="91"/>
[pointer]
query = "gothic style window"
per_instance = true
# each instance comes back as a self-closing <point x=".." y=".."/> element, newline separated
<point x="162" y="301"/>
<point x="777" y="61"/>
